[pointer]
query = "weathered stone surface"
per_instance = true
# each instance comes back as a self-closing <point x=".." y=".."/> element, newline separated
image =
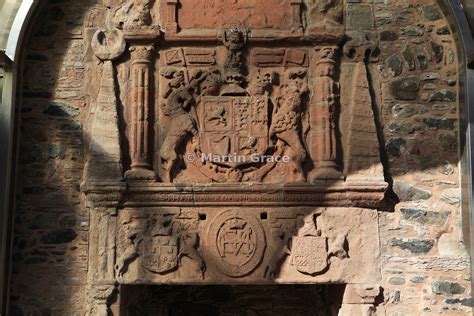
<point x="451" y="196"/>
<point x="447" y="288"/>
<point x="430" y="12"/>
<point x="359" y="17"/>
<point x="443" y="95"/>
<point x="395" y="146"/>
<point x="463" y="301"/>
<point x="443" y="30"/>
<point x="388" y="36"/>
<point x="415" y="246"/>
<point x="249" y="14"/>
<point x="412" y="31"/>
<point x="438" y="51"/>
<point x="448" y="141"/>
<point x="61" y="109"/>
<point x="424" y="217"/>
<point x="440" y="123"/>
<point x="422" y="61"/>
<point x="418" y="279"/>
<point x="396" y="281"/>
<point x="405" y="88"/>
<point x="408" y="110"/>
<point x="59" y="236"/>
<point x="409" y="58"/>
<point x="403" y="128"/>
<point x="449" y="245"/>
<point x="407" y="192"/>
<point x="394" y="65"/>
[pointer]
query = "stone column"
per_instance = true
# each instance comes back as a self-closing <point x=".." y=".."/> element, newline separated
<point x="360" y="299"/>
<point x="323" y="117"/>
<point x="140" y="113"/>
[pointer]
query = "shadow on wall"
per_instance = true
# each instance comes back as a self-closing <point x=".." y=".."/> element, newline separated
<point x="50" y="254"/>
<point x="415" y="112"/>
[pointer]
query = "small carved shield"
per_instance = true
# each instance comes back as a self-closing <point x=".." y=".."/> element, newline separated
<point x="309" y="254"/>
<point x="160" y="253"/>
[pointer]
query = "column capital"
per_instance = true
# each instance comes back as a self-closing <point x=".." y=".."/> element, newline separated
<point x="141" y="53"/>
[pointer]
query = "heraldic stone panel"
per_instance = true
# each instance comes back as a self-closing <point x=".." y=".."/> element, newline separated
<point x="221" y="150"/>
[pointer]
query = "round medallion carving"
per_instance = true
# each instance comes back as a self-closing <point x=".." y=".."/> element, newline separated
<point x="237" y="243"/>
<point x="108" y="44"/>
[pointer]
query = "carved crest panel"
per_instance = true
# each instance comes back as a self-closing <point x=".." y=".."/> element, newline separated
<point x="256" y="244"/>
<point x="232" y="147"/>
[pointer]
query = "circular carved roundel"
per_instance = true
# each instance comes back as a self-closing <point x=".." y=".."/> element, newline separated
<point x="237" y="243"/>
<point x="108" y="44"/>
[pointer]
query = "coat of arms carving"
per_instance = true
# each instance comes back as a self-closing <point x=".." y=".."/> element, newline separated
<point x="309" y="251"/>
<point x="234" y="129"/>
<point x="161" y="253"/>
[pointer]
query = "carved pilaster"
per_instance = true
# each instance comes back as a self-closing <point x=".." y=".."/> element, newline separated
<point x="104" y="163"/>
<point x="102" y="252"/>
<point x="103" y="175"/>
<point x="296" y="14"/>
<point x="362" y="158"/>
<point x="323" y="117"/>
<point x="102" y="258"/>
<point x="171" y="24"/>
<point x="140" y="113"/>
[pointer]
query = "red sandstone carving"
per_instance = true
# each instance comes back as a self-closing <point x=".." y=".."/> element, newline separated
<point x="237" y="243"/>
<point x="134" y="14"/>
<point x="238" y="93"/>
<point x="309" y="252"/>
<point x="140" y="113"/>
<point x="323" y="117"/>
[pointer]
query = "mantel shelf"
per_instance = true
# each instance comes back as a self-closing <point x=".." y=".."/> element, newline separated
<point x="336" y="193"/>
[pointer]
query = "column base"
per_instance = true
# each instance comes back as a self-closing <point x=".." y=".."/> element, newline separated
<point x="325" y="171"/>
<point x="99" y="299"/>
<point x="140" y="174"/>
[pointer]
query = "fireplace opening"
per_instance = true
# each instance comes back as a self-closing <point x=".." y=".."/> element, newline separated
<point x="227" y="300"/>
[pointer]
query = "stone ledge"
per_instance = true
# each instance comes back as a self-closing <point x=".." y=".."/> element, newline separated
<point x="142" y="193"/>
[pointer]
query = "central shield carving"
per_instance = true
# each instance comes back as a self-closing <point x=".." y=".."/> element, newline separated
<point x="234" y="128"/>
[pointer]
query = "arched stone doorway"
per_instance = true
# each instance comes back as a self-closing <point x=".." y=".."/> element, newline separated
<point x="127" y="108"/>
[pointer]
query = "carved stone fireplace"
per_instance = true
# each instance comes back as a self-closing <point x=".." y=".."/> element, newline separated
<point x="236" y="150"/>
